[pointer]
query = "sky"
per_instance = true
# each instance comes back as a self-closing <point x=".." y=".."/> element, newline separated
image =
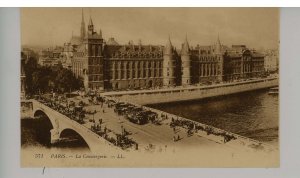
<point x="255" y="27"/>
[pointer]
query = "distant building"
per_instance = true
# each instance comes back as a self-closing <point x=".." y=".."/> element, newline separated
<point x="111" y="66"/>
<point x="242" y="63"/>
<point x="50" y="56"/>
<point x="271" y="60"/>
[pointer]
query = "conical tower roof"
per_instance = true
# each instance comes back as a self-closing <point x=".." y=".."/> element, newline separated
<point x="90" y="21"/>
<point x="100" y="33"/>
<point x="218" y="45"/>
<point x="185" y="47"/>
<point x="168" y="48"/>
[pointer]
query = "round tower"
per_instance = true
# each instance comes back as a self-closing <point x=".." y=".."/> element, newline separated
<point x="168" y="65"/>
<point x="186" y="63"/>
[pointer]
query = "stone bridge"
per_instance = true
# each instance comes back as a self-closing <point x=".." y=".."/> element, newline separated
<point x="61" y="122"/>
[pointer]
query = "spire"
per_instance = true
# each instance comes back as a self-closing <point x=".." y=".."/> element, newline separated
<point x="90" y="26"/>
<point x="168" y="48"/>
<point x="91" y="21"/>
<point x="82" y="29"/>
<point x="186" y="43"/>
<point x="185" y="47"/>
<point x="218" y="41"/>
<point x="218" y="45"/>
<point x="169" y="41"/>
<point x="82" y="16"/>
<point x="100" y="33"/>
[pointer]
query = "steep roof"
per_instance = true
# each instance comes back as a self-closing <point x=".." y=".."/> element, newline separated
<point x="75" y="40"/>
<point x="168" y="49"/>
<point x="132" y="50"/>
<point x="185" y="47"/>
<point x="111" y="41"/>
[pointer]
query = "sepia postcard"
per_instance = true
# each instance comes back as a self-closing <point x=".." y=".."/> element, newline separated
<point x="149" y="87"/>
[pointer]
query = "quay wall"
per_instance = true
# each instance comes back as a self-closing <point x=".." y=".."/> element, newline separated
<point x="144" y="97"/>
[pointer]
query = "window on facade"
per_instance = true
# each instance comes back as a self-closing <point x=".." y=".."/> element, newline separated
<point x="93" y="50"/>
<point x="128" y="74"/>
<point x="116" y="74"/>
<point x="144" y="73"/>
<point x="138" y="65"/>
<point x="96" y="50"/>
<point x="133" y="73"/>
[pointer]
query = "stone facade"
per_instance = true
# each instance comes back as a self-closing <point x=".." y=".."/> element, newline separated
<point x="111" y="66"/>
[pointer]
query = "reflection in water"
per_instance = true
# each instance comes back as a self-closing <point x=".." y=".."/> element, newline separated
<point x="253" y="114"/>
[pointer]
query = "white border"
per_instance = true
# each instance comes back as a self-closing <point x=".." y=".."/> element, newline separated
<point x="152" y="3"/>
<point x="10" y="123"/>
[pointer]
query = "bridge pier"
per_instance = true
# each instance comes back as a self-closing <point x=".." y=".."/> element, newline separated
<point x="54" y="136"/>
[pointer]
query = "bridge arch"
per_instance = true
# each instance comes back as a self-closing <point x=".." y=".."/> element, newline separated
<point x="60" y="122"/>
<point x="44" y="126"/>
<point x="37" y="113"/>
<point x="71" y="133"/>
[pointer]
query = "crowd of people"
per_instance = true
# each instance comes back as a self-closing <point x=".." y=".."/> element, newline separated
<point x="65" y="107"/>
<point x="118" y="139"/>
<point x="193" y="127"/>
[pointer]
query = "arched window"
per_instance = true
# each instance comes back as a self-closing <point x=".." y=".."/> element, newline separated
<point x="96" y="50"/>
<point x="144" y="73"/>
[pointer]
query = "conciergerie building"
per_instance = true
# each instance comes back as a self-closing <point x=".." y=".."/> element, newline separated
<point x="107" y="65"/>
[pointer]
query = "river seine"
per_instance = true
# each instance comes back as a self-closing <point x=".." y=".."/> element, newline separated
<point x="252" y="114"/>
